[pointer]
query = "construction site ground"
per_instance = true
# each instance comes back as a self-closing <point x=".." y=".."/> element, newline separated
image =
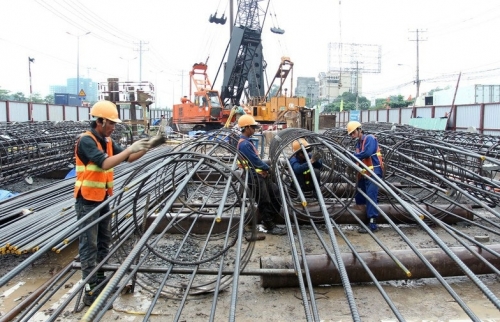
<point x="418" y="300"/>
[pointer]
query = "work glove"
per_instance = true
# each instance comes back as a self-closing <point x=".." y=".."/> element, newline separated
<point x="156" y="141"/>
<point x="141" y="145"/>
<point x="316" y="156"/>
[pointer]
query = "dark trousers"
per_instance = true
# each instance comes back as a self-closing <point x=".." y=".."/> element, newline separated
<point x="95" y="242"/>
<point x="266" y="196"/>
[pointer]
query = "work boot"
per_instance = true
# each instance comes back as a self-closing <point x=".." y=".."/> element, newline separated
<point x="91" y="293"/>
<point x="273" y="229"/>
<point x="90" y="296"/>
<point x="372" y="224"/>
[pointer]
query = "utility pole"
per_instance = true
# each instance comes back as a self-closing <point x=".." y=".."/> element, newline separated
<point x="418" y="39"/>
<point x="140" y="50"/>
<point x="356" y="88"/>
<point x="31" y="60"/>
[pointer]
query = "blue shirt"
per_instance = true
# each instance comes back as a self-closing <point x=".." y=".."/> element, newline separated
<point x="246" y="147"/>
<point x="369" y="151"/>
<point x="300" y="166"/>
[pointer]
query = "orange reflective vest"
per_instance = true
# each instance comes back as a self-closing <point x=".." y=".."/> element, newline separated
<point x="92" y="181"/>
<point x="368" y="161"/>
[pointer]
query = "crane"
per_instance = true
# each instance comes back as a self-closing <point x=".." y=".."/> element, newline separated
<point x="245" y="63"/>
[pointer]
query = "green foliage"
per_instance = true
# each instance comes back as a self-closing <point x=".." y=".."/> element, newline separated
<point x="37" y="98"/>
<point x="19" y="97"/>
<point x="49" y="99"/>
<point x="349" y="103"/>
<point x="4" y="94"/>
<point x="394" y="101"/>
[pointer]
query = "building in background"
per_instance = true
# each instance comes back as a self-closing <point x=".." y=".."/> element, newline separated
<point x="307" y="87"/>
<point x="333" y="84"/>
<point x="86" y="84"/>
<point x="57" y="89"/>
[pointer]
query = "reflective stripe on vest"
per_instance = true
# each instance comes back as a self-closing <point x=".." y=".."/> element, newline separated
<point x="307" y="176"/>
<point x="368" y="161"/>
<point x="92" y="181"/>
<point x="243" y="164"/>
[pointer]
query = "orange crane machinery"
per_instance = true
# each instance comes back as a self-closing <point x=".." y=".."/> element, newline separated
<point x="205" y="111"/>
<point x="271" y="109"/>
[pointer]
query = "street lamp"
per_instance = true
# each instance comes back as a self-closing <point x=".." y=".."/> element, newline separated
<point x="128" y="65"/>
<point x="78" y="59"/>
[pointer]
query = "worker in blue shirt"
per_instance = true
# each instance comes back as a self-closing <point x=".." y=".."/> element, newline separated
<point x="301" y="168"/>
<point x="368" y="151"/>
<point x="266" y="191"/>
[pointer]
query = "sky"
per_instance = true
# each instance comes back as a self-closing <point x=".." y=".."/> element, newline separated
<point x="456" y="36"/>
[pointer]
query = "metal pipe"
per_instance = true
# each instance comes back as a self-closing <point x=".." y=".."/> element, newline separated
<point x="324" y="272"/>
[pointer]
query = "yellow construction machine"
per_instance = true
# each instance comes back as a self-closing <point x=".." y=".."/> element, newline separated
<point x="280" y="107"/>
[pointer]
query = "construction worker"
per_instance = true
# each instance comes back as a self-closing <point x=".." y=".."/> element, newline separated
<point x="266" y="191"/>
<point x="368" y="151"/>
<point x="96" y="154"/>
<point x="301" y="168"/>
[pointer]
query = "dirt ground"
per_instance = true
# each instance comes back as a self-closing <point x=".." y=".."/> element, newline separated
<point x="417" y="300"/>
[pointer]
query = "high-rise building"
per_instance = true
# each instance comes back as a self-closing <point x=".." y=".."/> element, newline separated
<point x="88" y="86"/>
<point x="307" y="87"/>
<point x="57" y="89"/>
<point x="334" y="84"/>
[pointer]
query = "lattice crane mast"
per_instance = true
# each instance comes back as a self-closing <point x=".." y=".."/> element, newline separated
<point x="244" y="69"/>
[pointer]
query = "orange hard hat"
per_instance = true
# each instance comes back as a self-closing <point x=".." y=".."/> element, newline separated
<point x="296" y="145"/>
<point x="246" y="120"/>
<point x="351" y="126"/>
<point x="106" y="110"/>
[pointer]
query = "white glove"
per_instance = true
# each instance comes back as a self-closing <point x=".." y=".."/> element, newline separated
<point x="140" y="145"/>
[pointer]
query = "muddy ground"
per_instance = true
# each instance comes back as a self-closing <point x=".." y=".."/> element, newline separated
<point x="417" y="300"/>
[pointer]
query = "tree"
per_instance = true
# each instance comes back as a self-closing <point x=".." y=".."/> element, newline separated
<point x="19" y="97"/>
<point x="49" y="99"/>
<point x="37" y="98"/>
<point x="349" y="103"/>
<point x="4" y="94"/>
<point x="394" y="101"/>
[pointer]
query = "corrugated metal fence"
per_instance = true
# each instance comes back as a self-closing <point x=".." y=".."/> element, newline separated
<point x="485" y="118"/>
<point x="11" y="111"/>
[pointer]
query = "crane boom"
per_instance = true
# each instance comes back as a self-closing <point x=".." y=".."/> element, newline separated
<point x="245" y="63"/>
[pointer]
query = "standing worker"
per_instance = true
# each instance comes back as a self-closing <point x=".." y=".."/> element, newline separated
<point x="266" y="192"/>
<point x="368" y="151"/>
<point x="96" y="154"/>
<point x="301" y="168"/>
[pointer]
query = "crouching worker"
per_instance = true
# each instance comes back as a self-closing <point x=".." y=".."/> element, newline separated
<point x="266" y="192"/>
<point x="96" y="154"/>
<point x="368" y="151"/>
<point x="301" y="168"/>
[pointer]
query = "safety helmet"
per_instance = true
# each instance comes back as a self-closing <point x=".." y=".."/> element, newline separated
<point x="296" y="145"/>
<point x="106" y="110"/>
<point x="351" y="126"/>
<point x="246" y="120"/>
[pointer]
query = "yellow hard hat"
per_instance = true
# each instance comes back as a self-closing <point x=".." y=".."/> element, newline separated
<point x="106" y="110"/>
<point x="296" y="144"/>
<point x="351" y="126"/>
<point x="246" y="120"/>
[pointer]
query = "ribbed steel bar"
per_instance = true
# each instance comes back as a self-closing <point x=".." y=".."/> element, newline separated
<point x="30" y="149"/>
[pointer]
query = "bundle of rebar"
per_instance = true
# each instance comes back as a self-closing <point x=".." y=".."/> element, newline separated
<point x="181" y="218"/>
<point x="31" y="149"/>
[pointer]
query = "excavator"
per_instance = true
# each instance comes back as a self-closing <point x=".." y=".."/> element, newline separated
<point x="206" y="112"/>
<point x="274" y="109"/>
